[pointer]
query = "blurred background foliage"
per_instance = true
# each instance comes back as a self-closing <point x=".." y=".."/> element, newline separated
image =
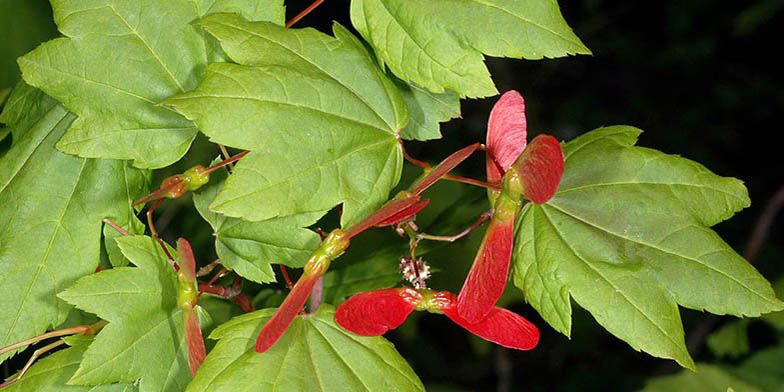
<point x="700" y="77"/>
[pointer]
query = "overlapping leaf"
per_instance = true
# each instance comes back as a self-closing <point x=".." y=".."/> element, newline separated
<point x="51" y="207"/>
<point x="426" y="111"/>
<point x="51" y="374"/>
<point x="310" y="107"/>
<point x="313" y="354"/>
<point x="119" y="59"/>
<point x="145" y="337"/>
<point x="249" y="248"/>
<point x="439" y="44"/>
<point x="627" y="236"/>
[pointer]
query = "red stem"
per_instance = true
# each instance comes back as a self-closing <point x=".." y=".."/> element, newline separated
<point x="285" y="273"/>
<point x="115" y="226"/>
<point x="409" y="158"/>
<point x="225" y="162"/>
<point x="303" y="13"/>
<point x="472" y="181"/>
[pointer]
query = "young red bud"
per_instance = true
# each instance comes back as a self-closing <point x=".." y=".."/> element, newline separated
<point x="500" y="326"/>
<point x="485" y="282"/>
<point x="375" y="312"/>
<point x="541" y="167"/>
<point x="506" y="134"/>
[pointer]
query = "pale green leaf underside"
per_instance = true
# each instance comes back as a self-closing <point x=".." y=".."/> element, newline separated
<point x="249" y="248"/>
<point x="51" y="207"/>
<point x="426" y="110"/>
<point x="51" y="373"/>
<point x="440" y="44"/>
<point x="627" y="236"/>
<point x="322" y="106"/>
<point x="314" y="354"/>
<point x="145" y="335"/>
<point x="119" y="59"/>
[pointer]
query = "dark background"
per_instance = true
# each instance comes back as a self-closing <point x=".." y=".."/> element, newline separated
<point x="702" y="78"/>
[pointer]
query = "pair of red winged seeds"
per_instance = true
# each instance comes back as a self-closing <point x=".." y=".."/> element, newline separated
<point x="532" y="172"/>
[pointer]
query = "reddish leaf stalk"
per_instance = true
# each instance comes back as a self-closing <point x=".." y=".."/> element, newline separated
<point x="286" y="277"/>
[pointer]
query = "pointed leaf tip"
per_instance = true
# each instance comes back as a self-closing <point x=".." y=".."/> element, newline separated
<point x="541" y="167"/>
<point x="373" y="313"/>
<point x="506" y="134"/>
<point x="486" y="280"/>
<point x="280" y="321"/>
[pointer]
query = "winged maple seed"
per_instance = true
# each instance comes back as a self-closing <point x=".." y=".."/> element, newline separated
<point x="187" y="296"/>
<point x="402" y="207"/>
<point x="375" y="312"/>
<point x="534" y="174"/>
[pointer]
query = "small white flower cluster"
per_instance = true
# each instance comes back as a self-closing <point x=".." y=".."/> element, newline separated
<point x="415" y="271"/>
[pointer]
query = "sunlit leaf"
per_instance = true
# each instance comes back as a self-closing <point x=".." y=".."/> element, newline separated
<point x="249" y="248"/>
<point x="117" y="61"/>
<point x="313" y="354"/>
<point x="627" y="236"/>
<point x="309" y="106"/>
<point x="145" y="337"/>
<point x="51" y="374"/>
<point x="440" y="44"/>
<point x="51" y="207"/>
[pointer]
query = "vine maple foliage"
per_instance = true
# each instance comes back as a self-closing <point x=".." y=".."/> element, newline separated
<point x="311" y="130"/>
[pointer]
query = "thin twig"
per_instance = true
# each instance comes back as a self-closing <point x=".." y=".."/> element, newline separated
<point x="303" y="13"/>
<point x="452" y="238"/>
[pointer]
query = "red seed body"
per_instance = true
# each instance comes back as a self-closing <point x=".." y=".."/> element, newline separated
<point x="373" y="313"/>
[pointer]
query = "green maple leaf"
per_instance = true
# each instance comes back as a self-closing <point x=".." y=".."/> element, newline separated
<point x="119" y="59"/>
<point x="627" y="236"/>
<point x="314" y="354"/>
<point x="426" y="111"/>
<point x="440" y="44"/>
<point x="51" y="374"/>
<point x="51" y="210"/>
<point x="710" y="378"/>
<point x="145" y="337"/>
<point x="309" y="106"/>
<point x="249" y="248"/>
